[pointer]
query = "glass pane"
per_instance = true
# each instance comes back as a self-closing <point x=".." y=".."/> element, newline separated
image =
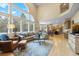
<point x="15" y="12"/>
<point x="43" y="27"/>
<point x="31" y="27"/>
<point x="16" y="21"/>
<point x="3" y="23"/>
<point x="4" y="7"/>
<point x="31" y="18"/>
<point x="25" y="27"/>
<point x="22" y="6"/>
<point x="25" y="18"/>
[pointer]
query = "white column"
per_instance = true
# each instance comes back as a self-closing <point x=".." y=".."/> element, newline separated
<point x="28" y="27"/>
<point x="28" y="23"/>
<point x="33" y="27"/>
<point x="21" y="25"/>
<point x="40" y="27"/>
<point x="46" y="28"/>
<point x="9" y="16"/>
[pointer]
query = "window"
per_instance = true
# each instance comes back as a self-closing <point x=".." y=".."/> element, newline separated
<point x="3" y="23"/>
<point x="31" y="18"/>
<point x="43" y="27"/>
<point x="31" y="26"/>
<point x="15" y="12"/>
<point x="31" y="22"/>
<point x="25" y="18"/>
<point x="16" y="18"/>
<point x="4" y="8"/>
<point x="22" y="6"/>
<point x="3" y="18"/>
<point x="16" y="22"/>
<point x="23" y="22"/>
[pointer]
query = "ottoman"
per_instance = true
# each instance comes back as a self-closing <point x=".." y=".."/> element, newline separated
<point x="22" y="44"/>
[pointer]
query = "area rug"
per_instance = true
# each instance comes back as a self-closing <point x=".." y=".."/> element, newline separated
<point x="36" y="48"/>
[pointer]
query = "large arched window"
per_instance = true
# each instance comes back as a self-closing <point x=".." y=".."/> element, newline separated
<point x="20" y="17"/>
<point x="23" y="16"/>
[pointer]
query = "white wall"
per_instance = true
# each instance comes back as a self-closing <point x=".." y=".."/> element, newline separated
<point x="44" y="12"/>
<point x="33" y="12"/>
<point x="48" y="11"/>
<point x="76" y="17"/>
<point x="32" y="9"/>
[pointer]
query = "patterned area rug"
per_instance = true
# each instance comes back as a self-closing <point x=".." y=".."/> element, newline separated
<point x="36" y="48"/>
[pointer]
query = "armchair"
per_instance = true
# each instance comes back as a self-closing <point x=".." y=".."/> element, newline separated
<point x="7" y="45"/>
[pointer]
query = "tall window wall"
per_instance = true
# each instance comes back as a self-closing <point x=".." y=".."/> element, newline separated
<point x="24" y="22"/>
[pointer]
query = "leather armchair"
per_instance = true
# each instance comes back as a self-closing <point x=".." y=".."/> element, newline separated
<point x="8" y="46"/>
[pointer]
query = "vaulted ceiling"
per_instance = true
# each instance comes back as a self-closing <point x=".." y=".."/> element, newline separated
<point x="62" y="17"/>
<point x="50" y="12"/>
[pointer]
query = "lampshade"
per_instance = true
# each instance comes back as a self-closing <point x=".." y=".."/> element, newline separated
<point x="11" y="26"/>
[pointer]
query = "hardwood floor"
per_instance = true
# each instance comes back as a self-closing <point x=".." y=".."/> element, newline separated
<point x="60" y="47"/>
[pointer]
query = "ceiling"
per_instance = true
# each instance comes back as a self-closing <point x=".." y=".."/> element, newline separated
<point x="61" y="18"/>
<point x="41" y="4"/>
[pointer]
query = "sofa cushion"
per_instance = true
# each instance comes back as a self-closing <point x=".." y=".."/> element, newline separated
<point x="3" y="37"/>
<point x="22" y="35"/>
